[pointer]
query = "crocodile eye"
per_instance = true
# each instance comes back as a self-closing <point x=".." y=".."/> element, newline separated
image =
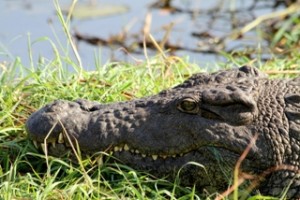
<point x="188" y="105"/>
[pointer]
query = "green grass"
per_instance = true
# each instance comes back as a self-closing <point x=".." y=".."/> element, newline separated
<point x="26" y="173"/>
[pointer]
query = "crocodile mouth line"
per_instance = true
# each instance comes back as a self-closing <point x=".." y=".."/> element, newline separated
<point x="62" y="142"/>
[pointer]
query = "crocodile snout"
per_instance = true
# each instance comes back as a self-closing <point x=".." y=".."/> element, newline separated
<point x="46" y="123"/>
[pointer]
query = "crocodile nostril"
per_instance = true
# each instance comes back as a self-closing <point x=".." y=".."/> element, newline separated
<point x="94" y="108"/>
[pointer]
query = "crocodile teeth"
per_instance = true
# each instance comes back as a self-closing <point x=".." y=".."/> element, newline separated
<point x="126" y="147"/>
<point x="154" y="157"/>
<point x="135" y="151"/>
<point x="43" y="148"/>
<point x="35" y="143"/>
<point x="61" y="138"/>
<point x="53" y="144"/>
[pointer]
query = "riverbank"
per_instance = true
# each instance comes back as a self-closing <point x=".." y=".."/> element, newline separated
<point x="26" y="173"/>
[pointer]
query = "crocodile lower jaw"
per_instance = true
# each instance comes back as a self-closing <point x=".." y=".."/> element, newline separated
<point x="62" y="144"/>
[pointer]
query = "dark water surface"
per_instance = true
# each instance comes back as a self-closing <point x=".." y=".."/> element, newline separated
<point x="199" y="26"/>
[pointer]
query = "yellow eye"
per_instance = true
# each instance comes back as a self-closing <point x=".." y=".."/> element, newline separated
<point x="188" y="105"/>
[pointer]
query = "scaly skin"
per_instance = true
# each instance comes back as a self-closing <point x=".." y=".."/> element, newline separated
<point x="209" y="119"/>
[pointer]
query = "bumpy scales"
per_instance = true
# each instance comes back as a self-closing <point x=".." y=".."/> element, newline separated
<point x="209" y="119"/>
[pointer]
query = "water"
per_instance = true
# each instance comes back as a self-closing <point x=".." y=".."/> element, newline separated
<point x="35" y="22"/>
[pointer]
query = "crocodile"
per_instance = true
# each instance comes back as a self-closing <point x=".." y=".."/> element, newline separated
<point x="199" y="129"/>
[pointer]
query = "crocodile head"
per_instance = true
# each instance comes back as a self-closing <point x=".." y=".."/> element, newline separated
<point x="209" y="119"/>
